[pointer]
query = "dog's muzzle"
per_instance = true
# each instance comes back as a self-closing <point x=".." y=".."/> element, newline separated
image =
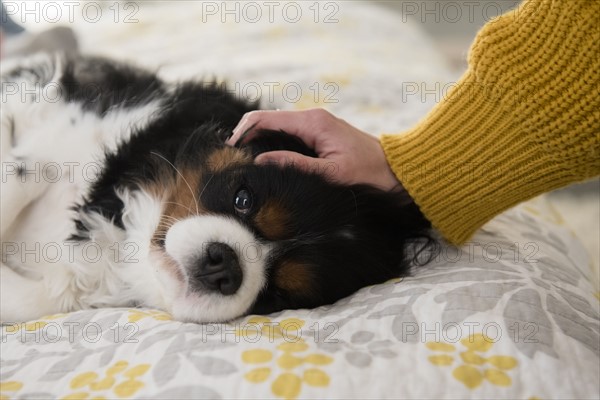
<point x="217" y="270"/>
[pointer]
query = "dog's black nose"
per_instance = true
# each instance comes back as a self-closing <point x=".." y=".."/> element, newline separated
<point x="219" y="269"/>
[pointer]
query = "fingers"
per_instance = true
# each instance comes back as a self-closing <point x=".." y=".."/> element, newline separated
<point x="307" y="164"/>
<point x="299" y="123"/>
<point x="263" y="120"/>
<point x="311" y="126"/>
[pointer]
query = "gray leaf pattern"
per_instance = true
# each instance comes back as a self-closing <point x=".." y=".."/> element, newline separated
<point x="573" y="325"/>
<point x="472" y="276"/>
<point x="578" y="302"/>
<point x="211" y="365"/>
<point x="371" y="340"/>
<point x="108" y="355"/>
<point x="65" y="366"/>
<point x="362" y="337"/>
<point x="166" y="369"/>
<point x="360" y="360"/>
<point x="525" y="307"/>
<point x="399" y="309"/>
<point x="465" y="301"/>
<point x="158" y="337"/>
<point x="537" y="305"/>
<point x="402" y="327"/>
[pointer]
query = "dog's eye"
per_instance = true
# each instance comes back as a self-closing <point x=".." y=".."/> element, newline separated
<point x="243" y="201"/>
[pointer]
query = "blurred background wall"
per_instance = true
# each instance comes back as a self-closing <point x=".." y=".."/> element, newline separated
<point x="450" y="24"/>
<point x="453" y="25"/>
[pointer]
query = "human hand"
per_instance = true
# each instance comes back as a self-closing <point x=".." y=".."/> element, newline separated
<point x="346" y="154"/>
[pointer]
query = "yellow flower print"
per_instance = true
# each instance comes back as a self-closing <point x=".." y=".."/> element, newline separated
<point x="477" y="342"/>
<point x="473" y="372"/>
<point x="27" y="326"/>
<point x="289" y="364"/>
<point x="119" y="380"/>
<point x="32" y="326"/>
<point x="54" y="316"/>
<point x="136" y="315"/>
<point x="443" y="359"/>
<point x="8" y="388"/>
<point x="258" y="375"/>
<point x="288" y="384"/>
<point x="316" y="377"/>
<point x="256" y="356"/>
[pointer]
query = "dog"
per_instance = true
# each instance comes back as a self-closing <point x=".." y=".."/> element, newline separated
<point x="118" y="191"/>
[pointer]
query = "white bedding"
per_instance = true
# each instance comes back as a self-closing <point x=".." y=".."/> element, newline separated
<point x="512" y="314"/>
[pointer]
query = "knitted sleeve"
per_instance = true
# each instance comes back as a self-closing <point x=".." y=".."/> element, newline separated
<point x="524" y="119"/>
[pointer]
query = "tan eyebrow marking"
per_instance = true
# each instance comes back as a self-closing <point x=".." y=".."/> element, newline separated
<point x="294" y="277"/>
<point x="273" y="221"/>
<point x="226" y="157"/>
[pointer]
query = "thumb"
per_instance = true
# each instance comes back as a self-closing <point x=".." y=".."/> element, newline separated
<point x="299" y="161"/>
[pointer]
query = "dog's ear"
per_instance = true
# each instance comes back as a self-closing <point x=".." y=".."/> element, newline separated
<point x="266" y="140"/>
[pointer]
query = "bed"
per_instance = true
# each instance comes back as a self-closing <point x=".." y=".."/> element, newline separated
<point x="512" y="314"/>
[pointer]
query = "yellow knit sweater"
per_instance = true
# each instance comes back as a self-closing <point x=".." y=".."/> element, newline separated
<point x="524" y="119"/>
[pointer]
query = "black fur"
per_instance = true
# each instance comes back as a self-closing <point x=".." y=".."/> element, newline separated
<point x="101" y="84"/>
<point x="347" y="236"/>
<point x="192" y="122"/>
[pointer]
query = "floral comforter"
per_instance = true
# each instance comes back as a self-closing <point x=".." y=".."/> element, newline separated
<point x="512" y="314"/>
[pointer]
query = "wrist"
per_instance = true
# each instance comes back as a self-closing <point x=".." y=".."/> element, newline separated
<point x="387" y="179"/>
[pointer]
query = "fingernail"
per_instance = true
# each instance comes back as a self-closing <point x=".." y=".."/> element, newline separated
<point x="245" y="133"/>
<point x="240" y="126"/>
<point x="234" y="133"/>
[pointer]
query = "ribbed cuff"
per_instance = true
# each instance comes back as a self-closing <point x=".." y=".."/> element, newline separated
<point x="470" y="159"/>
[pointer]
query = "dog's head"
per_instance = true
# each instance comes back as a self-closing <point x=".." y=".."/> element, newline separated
<point x="238" y="238"/>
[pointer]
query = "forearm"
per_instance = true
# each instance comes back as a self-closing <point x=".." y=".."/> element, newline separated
<point x="523" y="120"/>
